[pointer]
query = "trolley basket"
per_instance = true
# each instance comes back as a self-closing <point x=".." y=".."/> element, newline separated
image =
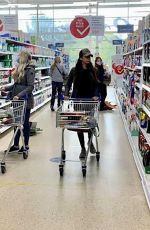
<point x="12" y="115"/>
<point x="79" y="116"/>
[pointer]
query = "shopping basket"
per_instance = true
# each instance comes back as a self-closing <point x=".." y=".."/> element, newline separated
<point x="12" y="115"/>
<point x="79" y="116"/>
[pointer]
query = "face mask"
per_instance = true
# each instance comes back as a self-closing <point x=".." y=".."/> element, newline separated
<point x="98" y="62"/>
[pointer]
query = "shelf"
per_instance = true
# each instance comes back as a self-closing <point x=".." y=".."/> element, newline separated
<point x="126" y="82"/>
<point x="42" y="56"/>
<point x="147" y="111"/>
<point x="145" y="178"/>
<point x="8" y="84"/>
<point x="4" y="129"/>
<point x="146" y="135"/>
<point x="133" y="69"/>
<point x="146" y="64"/>
<point x="40" y="105"/>
<point x="148" y="41"/>
<point x="41" y="90"/>
<point x="122" y="92"/>
<point x="5" y="104"/>
<point x="44" y="67"/>
<point x="134" y="51"/>
<point x="44" y="77"/>
<point x="5" y="69"/>
<point x="147" y="88"/>
<point x="138" y="85"/>
<point x="2" y="53"/>
<point x="25" y="43"/>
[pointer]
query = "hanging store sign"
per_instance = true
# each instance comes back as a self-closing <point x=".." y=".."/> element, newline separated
<point x="80" y="27"/>
<point x="97" y="27"/>
<point x="51" y="46"/>
<point x="117" y="42"/>
<point x="125" y="28"/>
<point x="8" y="23"/>
<point x="59" y="45"/>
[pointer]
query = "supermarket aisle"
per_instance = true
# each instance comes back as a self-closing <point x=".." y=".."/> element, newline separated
<point x="33" y="196"/>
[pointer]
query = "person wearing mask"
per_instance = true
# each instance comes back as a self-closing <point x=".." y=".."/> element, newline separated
<point x="57" y="73"/>
<point x="84" y="81"/>
<point x="22" y="88"/>
<point x="102" y="87"/>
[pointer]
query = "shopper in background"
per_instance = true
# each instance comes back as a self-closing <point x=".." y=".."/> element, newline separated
<point x="102" y="89"/>
<point x="102" y="86"/>
<point x="84" y="81"/>
<point x="58" y="73"/>
<point x="22" y="88"/>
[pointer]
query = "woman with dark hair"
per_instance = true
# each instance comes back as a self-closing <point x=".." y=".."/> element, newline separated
<point x="84" y="81"/>
<point x="102" y="87"/>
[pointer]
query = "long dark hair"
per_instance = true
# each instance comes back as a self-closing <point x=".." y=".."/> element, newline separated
<point x="96" y="59"/>
<point x="99" y="69"/>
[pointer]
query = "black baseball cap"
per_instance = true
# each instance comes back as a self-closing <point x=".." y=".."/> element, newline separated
<point x="85" y="52"/>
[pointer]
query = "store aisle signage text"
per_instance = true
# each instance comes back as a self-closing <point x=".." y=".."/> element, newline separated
<point x="80" y="27"/>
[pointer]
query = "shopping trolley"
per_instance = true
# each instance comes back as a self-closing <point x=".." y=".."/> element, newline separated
<point x="12" y="115"/>
<point x="79" y="116"/>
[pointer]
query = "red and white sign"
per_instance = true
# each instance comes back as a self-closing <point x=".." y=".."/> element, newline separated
<point x="80" y="27"/>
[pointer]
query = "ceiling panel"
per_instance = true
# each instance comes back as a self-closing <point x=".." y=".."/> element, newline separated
<point x="2" y="2"/>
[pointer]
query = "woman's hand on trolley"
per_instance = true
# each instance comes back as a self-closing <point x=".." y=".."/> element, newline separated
<point x="66" y="97"/>
<point x="15" y="98"/>
<point x="95" y="98"/>
<point x="2" y="88"/>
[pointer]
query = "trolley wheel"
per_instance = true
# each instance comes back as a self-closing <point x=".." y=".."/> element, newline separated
<point x="25" y="155"/>
<point x="61" y="170"/>
<point x="84" y="171"/>
<point x="3" y="167"/>
<point x="63" y="155"/>
<point x="97" y="156"/>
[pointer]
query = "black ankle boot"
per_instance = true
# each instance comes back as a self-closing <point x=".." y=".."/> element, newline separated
<point x="52" y="108"/>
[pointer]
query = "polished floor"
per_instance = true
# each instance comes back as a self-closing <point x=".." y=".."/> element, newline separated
<point x="33" y="197"/>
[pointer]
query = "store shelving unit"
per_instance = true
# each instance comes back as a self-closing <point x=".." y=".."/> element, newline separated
<point x="145" y="178"/>
<point x="42" y="58"/>
<point x="131" y="104"/>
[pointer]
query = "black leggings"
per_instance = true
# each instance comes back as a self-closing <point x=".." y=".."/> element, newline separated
<point x="26" y="130"/>
<point x="81" y="138"/>
<point x="56" y="87"/>
<point x="103" y="94"/>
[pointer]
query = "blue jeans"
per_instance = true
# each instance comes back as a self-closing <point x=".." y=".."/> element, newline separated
<point x="56" y="87"/>
<point x="26" y="130"/>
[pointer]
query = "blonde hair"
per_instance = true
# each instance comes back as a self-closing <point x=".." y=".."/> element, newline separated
<point x="56" y="60"/>
<point x="24" y="60"/>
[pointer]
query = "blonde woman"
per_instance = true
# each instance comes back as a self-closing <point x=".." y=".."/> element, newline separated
<point x="22" y="88"/>
<point x="57" y="73"/>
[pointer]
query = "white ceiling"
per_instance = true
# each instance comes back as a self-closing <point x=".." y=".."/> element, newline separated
<point x="5" y="2"/>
